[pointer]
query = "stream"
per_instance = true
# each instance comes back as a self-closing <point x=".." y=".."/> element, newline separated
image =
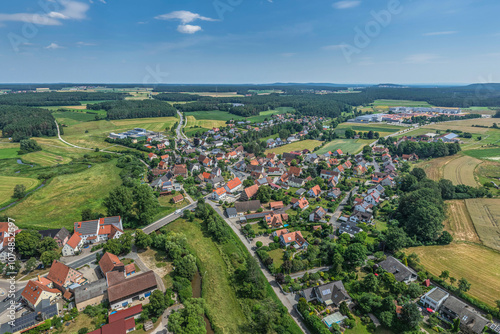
<point x="196" y="285"/>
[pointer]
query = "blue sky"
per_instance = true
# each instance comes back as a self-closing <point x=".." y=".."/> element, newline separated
<point x="250" y="41"/>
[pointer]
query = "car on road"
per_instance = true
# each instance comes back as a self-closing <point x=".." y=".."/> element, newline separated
<point x="5" y="299"/>
<point x="178" y="212"/>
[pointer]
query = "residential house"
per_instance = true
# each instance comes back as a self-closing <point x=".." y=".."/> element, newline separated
<point x="301" y="203"/>
<point x="434" y="298"/>
<point x="234" y="185"/>
<point x="63" y="276"/>
<point x="231" y="212"/>
<point x="251" y="206"/>
<point x="333" y="293"/>
<point x="91" y="294"/>
<point x="276" y="205"/>
<point x="110" y="262"/>
<point x="275" y="220"/>
<point x="401" y="272"/>
<point x="363" y="207"/>
<point x="152" y="156"/>
<point x="334" y="192"/>
<point x="180" y="170"/>
<point x="219" y="194"/>
<point x="470" y="321"/>
<point x="327" y="174"/>
<point x="338" y="153"/>
<point x="317" y="215"/>
<point x="99" y="230"/>
<point x="359" y="216"/>
<point x="124" y="291"/>
<point x="359" y="170"/>
<point x="388" y="181"/>
<point x="249" y="193"/>
<point x="350" y="229"/>
<point x="293" y="239"/>
<point x="409" y="157"/>
<point x="295" y="182"/>
<point x="73" y="246"/>
<point x="295" y="171"/>
<point x="177" y="199"/>
<point x="314" y="191"/>
<point x="35" y="292"/>
<point x="60" y="235"/>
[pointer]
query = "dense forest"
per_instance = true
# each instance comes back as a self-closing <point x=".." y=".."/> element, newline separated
<point x="19" y="123"/>
<point x="56" y="99"/>
<point x="134" y="109"/>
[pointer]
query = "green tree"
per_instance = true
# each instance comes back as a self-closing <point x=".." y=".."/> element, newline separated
<point x="386" y="318"/>
<point x="396" y="238"/>
<point x="414" y="290"/>
<point x="370" y="283"/>
<point x="445" y="274"/>
<point x="188" y="320"/>
<point x="456" y="325"/>
<point x="452" y="280"/>
<point x="19" y="191"/>
<point x="30" y="264"/>
<point x="356" y="254"/>
<point x="463" y="285"/>
<point x="142" y="240"/>
<point x="27" y="242"/>
<point x="47" y="244"/>
<point x="337" y="262"/>
<point x="419" y="173"/>
<point x="186" y="267"/>
<point x="411" y="315"/>
<point x="29" y="145"/>
<point x="120" y="202"/>
<point x="146" y="204"/>
<point x="48" y="257"/>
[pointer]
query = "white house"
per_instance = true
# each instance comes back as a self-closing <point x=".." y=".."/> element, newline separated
<point x="99" y="230"/>
<point x="73" y="245"/>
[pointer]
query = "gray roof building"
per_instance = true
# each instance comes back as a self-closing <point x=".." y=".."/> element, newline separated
<point x="401" y="272"/>
<point x="89" y="291"/>
<point x="247" y="206"/>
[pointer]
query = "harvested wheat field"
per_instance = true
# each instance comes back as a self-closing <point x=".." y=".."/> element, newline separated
<point x="477" y="264"/>
<point x="461" y="170"/>
<point x="434" y="168"/>
<point x="459" y="222"/>
<point x="485" y="214"/>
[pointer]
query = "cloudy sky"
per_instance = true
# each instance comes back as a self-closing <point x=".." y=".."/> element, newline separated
<point x="250" y="41"/>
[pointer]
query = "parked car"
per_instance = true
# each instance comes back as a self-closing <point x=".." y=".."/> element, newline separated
<point x="5" y="299"/>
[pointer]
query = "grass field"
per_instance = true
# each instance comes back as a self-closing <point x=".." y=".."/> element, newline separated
<point x="492" y="154"/>
<point x="360" y="328"/>
<point x="44" y="158"/>
<point x="485" y="213"/>
<point x="8" y="183"/>
<point x="61" y="201"/>
<point x="382" y="129"/>
<point x="459" y="222"/>
<point x="204" y="123"/>
<point x="461" y="170"/>
<point x="212" y="94"/>
<point x="92" y="134"/>
<point x="267" y="114"/>
<point x="299" y="145"/>
<point x="477" y="264"/>
<point x="488" y="171"/>
<point x="8" y="153"/>
<point x="224" y="309"/>
<point x="399" y="103"/>
<point x="346" y="145"/>
<point x="213" y="115"/>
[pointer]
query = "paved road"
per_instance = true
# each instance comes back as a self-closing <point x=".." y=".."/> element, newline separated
<point x="83" y="261"/>
<point x="284" y="299"/>
<point x="336" y="214"/>
<point x="167" y="219"/>
<point x="4" y="288"/>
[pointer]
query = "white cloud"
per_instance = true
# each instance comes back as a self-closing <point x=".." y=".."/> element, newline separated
<point x="421" y="58"/>
<point x="85" y="44"/>
<point x="184" y="16"/>
<point x="439" y="33"/>
<point x="346" y="4"/>
<point x="54" y="46"/>
<point x="188" y="29"/>
<point x="72" y="10"/>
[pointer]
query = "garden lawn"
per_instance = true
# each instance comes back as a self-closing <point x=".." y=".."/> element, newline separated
<point x="60" y="202"/>
<point x="277" y="256"/>
<point x="350" y="146"/>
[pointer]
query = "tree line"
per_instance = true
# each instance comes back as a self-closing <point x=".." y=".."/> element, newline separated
<point x="18" y="122"/>
<point x="56" y="99"/>
<point x="134" y="109"/>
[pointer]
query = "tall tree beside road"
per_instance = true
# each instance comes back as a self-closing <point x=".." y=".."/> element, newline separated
<point x="27" y="242"/>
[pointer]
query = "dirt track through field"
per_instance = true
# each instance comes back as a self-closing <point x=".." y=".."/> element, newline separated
<point x="459" y="222"/>
<point x="461" y="171"/>
<point x="485" y="214"/>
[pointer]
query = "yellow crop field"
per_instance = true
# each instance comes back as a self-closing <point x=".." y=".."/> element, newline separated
<point x="485" y="214"/>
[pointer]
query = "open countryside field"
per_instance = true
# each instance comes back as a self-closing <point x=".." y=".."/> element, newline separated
<point x="297" y="146"/>
<point x="492" y="154"/>
<point x="350" y="146"/>
<point x="203" y="123"/>
<point x="212" y="94"/>
<point x="60" y="202"/>
<point x="44" y="158"/>
<point x="459" y="222"/>
<point x="488" y="171"/>
<point x="385" y="104"/>
<point x="485" y="213"/>
<point x="477" y="264"/>
<point x="267" y="114"/>
<point x="8" y="183"/>
<point x="224" y="310"/>
<point x="92" y="134"/>
<point x="382" y="129"/>
<point x="461" y="170"/>
<point x="8" y="153"/>
<point x="215" y="115"/>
